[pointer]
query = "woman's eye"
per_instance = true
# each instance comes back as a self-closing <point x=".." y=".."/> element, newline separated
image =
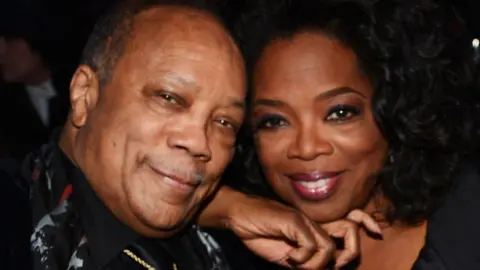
<point x="271" y="122"/>
<point x="342" y="113"/>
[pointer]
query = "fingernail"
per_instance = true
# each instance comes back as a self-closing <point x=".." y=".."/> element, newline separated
<point x="376" y="228"/>
<point x="339" y="264"/>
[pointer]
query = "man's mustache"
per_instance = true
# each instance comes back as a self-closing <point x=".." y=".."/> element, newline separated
<point x="179" y="169"/>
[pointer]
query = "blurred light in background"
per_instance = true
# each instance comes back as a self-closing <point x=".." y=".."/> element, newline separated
<point x="475" y="43"/>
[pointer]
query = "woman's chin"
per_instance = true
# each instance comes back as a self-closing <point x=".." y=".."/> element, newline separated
<point x="323" y="212"/>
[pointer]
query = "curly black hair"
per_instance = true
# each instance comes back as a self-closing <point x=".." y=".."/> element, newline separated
<point x="419" y="59"/>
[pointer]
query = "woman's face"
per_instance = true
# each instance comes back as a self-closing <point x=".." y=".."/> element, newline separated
<point x="316" y="137"/>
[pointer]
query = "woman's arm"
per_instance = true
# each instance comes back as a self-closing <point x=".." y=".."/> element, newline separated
<point x="282" y="234"/>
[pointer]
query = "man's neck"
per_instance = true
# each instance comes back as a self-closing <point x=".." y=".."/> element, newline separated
<point x="66" y="143"/>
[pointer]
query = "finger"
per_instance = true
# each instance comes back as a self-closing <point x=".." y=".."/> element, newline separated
<point x="304" y="245"/>
<point x="292" y="230"/>
<point x="366" y="220"/>
<point x="349" y="232"/>
<point x="297" y="236"/>
<point x="325" y="251"/>
<point x="300" y="255"/>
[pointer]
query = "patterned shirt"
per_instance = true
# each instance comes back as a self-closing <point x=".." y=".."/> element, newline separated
<point x="74" y="230"/>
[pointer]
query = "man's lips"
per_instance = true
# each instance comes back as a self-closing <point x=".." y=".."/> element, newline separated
<point x="182" y="181"/>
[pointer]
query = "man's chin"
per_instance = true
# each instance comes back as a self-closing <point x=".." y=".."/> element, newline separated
<point x="163" y="224"/>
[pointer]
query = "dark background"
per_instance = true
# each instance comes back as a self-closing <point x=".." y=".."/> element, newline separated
<point x="471" y="12"/>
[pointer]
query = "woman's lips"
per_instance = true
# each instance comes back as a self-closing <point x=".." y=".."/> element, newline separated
<point x="315" y="186"/>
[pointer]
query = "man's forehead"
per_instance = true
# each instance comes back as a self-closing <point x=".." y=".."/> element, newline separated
<point x="189" y="83"/>
<point x="164" y="28"/>
<point x="178" y="20"/>
<point x="171" y="31"/>
<point x="166" y="42"/>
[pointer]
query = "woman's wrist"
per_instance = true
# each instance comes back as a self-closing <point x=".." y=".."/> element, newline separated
<point x="223" y="208"/>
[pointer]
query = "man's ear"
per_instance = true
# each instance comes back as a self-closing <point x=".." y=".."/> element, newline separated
<point x="84" y="94"/>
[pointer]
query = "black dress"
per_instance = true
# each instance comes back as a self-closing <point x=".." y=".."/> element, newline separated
<point x="453" y="232"/>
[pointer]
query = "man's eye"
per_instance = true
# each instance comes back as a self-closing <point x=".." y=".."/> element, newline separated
<point x="342" y="113"/>
<point x="227" y="124"/>
<point x="169" y="98"/>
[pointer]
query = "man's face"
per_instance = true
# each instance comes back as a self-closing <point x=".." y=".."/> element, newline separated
<point x="158" y="136"/>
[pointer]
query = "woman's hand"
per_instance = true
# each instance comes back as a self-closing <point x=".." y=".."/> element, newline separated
<point x="347" y="229"/>
<point x="283" y="235"/>
<point x="287" y="237"/>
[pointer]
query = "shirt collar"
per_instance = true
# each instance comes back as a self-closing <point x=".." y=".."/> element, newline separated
<point x="45" y="90"/>
<point x="107" y="236"/>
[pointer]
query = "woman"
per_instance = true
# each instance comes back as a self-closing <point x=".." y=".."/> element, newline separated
<point x="371" y="106"/>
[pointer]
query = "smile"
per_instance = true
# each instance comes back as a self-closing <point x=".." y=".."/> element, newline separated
<point x="183" y="185"/>
<point x="321" y="184"/>
<point x="315" y="186"/>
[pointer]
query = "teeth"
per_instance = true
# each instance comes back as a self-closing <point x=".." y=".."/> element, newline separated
<point x="319" y="184"/>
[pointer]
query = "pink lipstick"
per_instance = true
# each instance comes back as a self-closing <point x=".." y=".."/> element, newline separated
<point x="315" y="186"/>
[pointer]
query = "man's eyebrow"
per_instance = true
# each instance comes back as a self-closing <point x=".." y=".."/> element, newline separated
<point x="240" y="104"/>
<point x="190" y="84"/>
<point x="177" y="78"/>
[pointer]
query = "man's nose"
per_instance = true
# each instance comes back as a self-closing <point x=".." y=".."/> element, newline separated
<point x="193" y="139"/>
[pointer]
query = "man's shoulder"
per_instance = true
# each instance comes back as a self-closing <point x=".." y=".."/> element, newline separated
<point x="20" y="174"/>
<point x="14" y="190"/>
<point x="15" y="228"/>
<point x="10" y="176"/>
<point x="9" y="165"/>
